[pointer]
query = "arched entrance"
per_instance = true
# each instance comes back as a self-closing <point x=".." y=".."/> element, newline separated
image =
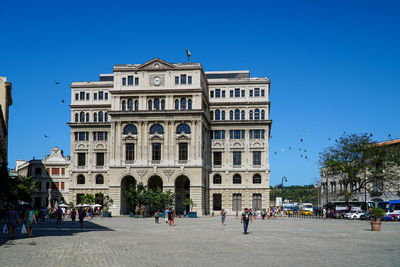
<point x="182" y="192"/>
<point x="154" y="182"/>
<point x="125" y="184"/>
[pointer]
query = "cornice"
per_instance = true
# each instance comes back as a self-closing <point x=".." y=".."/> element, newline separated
<point x="212" y="104"/>
<point x="241" y="122"/>
<point x="89" y="124"/>
<point x="91" y="106"/>
<point x="239" y="81"/>
<point x="155" y="91"/>
<point x="92" y="85"/>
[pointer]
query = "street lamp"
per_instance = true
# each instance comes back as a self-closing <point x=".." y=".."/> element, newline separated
<point x="284" y="179"/>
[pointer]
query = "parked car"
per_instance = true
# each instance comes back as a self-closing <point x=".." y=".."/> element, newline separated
<point x="365" y="216"/>
<point x="339" y="214"/>
<point x="391" y="217"/>
<point x="353" y="215"/>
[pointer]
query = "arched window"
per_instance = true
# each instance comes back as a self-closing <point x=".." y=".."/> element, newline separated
<point x="231" y="115"/>
<point x="80" y="179"/>
<point x="183" y="127"/>
<point x="243" y="114"/>
<point x="256" y="179"/>
<point x="237" y="179"/>
<point x="136" y="104"/>
<point x="156" y="128"/>
<point x="190" y="104"/>
<point x="256" y="114"/>
<point x="87" y="117"/>
<point x="251" y="115"/>
<point x="99" y="179"/>
<point x="237" y="114"/>
<point x="163" y="104"/>
<point x="263" y="114"/>
<point x="150" y="105"/>
<point x="95" y="117"/>
<point x="211" y="115"/>
<point x="101" y="116"/>
<point x="176" y="104"/>
<point x="130" y="128"/>
<point x="223" y="115"/>
<point x="123" y="105"/>
<point x="106" y="117"/>
<point x="183" y="103"/>
<point x="82" y="117"/>
<point x="157" y="104"/>
<point x="76" y="117"/>
<point x="217" y="115"/>
<point x="217" y="179"/>
<point x="130" y="104"/>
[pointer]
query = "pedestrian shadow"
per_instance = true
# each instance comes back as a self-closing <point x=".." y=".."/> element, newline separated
<point x="50" y="228"/>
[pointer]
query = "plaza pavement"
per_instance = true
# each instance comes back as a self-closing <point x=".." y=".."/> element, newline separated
<point x="204" y="242"/>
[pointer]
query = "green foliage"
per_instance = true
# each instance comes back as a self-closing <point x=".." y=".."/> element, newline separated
<point x="161" y="200"/>
<point x="137" y="194"/>
<point x="296" y="193"/>
<point x="189" y="202"/>
<point x="17" y="188"/>
<point x="88" y="199"/>
<point x="71" y="204"/>
<point x="107" y="202"/>
<point x="377" y="213"/>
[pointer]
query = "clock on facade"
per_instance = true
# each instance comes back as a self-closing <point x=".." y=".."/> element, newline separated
<point x="156" y="80"/>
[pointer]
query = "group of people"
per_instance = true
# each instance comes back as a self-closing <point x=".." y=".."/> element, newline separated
<point x="12" y="219"/>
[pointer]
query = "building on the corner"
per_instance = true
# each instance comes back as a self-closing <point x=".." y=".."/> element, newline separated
<point x="50" y="177"/>
<point x="332" y="186"/>
<point x="5" y="102"/>
<point x="202" y="135"/>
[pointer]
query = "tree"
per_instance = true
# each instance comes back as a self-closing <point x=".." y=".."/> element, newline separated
<point x="358" y="163"/>
<point x="137" y="194"/>
<point x="189" y="202"/>
<point x="88" y="199"/>
<point x="16" y="188"/>
<point x="107" y="202"/>
<point x="161" y="200"/>
<point x="295" y="193"/>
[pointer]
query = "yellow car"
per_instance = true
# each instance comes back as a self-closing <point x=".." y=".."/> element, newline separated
<point x="306" y="212"/>
<point x="289" y="212"/>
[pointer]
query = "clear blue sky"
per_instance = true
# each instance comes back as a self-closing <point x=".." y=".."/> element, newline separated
<point x="334" y="65"/>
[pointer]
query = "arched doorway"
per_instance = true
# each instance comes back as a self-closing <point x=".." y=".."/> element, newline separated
<point x="154" y="182"/>
<point x="182" y="192"/>
<point x="125" y="184"/>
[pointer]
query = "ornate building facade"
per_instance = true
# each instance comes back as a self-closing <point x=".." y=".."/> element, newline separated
<point x="202" y="135"/>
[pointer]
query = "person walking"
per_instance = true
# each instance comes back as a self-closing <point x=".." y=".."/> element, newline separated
<point x="73" y="215"/>
<point x="170" y="218"/>
<point x="82" y="215"/>
<point x="12" y="219"/>
<point x="157" y="217"/>
<point x="166" y="211"/>
<point x="29" y="219"/>
<point x="223" y="217"/>
<point x="246" y="217"/>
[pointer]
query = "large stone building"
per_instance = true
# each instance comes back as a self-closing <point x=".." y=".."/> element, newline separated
<point x="202" y="135"/>
<point x="5" y="102"/>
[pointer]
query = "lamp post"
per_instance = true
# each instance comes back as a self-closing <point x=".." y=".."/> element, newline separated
<point x="284" y="179"/>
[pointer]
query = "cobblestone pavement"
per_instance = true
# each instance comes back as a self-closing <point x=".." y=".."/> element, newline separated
<point x="204" y="242"/>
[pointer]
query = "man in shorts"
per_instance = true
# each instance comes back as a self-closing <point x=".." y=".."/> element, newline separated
<point x="12" y="221"/>
<point x="246" y="217"/>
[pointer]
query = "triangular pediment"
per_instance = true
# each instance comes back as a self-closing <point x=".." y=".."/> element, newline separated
<point x="156" y="64"/>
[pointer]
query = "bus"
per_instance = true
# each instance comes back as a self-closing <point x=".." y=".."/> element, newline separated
<point x="354" y="205"/>
<point x="392" y="209"/>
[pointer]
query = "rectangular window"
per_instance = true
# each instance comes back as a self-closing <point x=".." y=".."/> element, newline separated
<point x="130" y="156"/>
<point x="87" y="96"/>
<point x="243" y="93"/>
<point x="38" y="171"/>
<point x="130" y="80"/>
<point x="136" y="81"/>
<point x="62" y="171"/>
<point x="176" y="79"/>
<point x="82" y="136"/>
<point x="183" y="151"/>
<point x="217" y="201"/>
<point x="217" y="158"/>
<point x="62" y="185"/>
<point x="99" y="159"/>
<point x="81" y="159"/>
<point x="123" y="81"/>
<point x="183" y="79"/>
<point x="262" y="92"/>
<point x="231" y="93"/>
<point x="101" y="95"/>
<point x="211" y="93"/>
<point x="76" y="136"/>
<point x="237" y="92"/>
<point x="237" y="202"/>
<point x="156" y="149"/>
<point x="242" y="134"/>
<point x="82" y="96"/>
<point x="256" y="91"/>
<point x="217" y="92"/>
<point x="55" y="171"/>
<point x="256" y="157"/>
<point x="237" y="158"/>
<point x="257" y="134"/>
<point x="230" y="134"/>
<point x="236" y="134"/>
<point x="257" y="202"/>
<point x="76" y="96"/>
<point x="251" y="134"/>
<point x="251" y="93"/>
<point x="223" y="93"/>
<point x="95" y="96"/>
<point x="189" y="79"/>
<point x="100" y="136"/>
<point x="106" y="96"/>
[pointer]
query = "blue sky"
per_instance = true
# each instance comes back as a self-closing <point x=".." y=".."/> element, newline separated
<point x="334" y="65"/>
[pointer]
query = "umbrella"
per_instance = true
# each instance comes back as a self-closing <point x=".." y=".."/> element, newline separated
<point x="63" y="205"/>
<point x="85" y="205"/>
<point x="96" y="205"/>
<point x="23" y="203"/>
<point x="79" y="205"/>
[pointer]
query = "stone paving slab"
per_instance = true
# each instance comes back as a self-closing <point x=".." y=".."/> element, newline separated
<point x="205" y="242"/>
